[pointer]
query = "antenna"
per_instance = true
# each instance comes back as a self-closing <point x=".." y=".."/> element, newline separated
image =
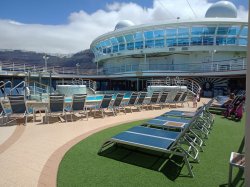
<point x="191" y="8"/>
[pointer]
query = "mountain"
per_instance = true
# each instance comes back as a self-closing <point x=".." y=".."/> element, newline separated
<point x="84" y="58"/>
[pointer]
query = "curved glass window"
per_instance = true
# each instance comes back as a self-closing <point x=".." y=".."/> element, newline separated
<point x="114" y="42"/>
<point x="222" y="30"/>
<point x="231" y="40"/>
<point x="183" y="32"/>
<point x="183" y="41"/>
<point x="244" y="31"/>
<point x="129" y="38"/>
<point x="149" y="35"/>
<point x="139" y="45"/>
<point x="138" y="37"/>
<point x="159" y="43"/>
<point x="209" y="30"/>
<point x="159" y="33"/>
<point x="221" y="40"/>
<point x="130" y="46"/>
<point x="198" y="31"/>
<point x="208" y="40"/>
<point x="243" y="41"/>
<point x="149" y="43"/>
<point x="196" y="41"/>
<point x="120" y="39"/>
<point x="170" y="33"/>
<point x="171" y="42"/>
<point x="234" y="30"/>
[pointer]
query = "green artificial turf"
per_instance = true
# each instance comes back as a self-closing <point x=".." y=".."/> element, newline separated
<point x="119" y="166"/>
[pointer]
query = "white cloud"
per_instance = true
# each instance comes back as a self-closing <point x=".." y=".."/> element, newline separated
<point x="83" y="28"/>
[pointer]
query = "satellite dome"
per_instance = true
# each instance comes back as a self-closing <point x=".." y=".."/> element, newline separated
<point x="222" y="9"/>
<point x="123" y="24"/>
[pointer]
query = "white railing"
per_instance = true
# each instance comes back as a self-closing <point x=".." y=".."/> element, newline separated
<point x="191" y="85"/>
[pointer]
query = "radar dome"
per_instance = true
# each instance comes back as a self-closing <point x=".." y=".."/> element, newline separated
<point x="222" y="9"/>
<point x="123" y="24"/>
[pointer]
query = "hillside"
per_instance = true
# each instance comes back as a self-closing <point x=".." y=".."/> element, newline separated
<point x="84" y="58"/>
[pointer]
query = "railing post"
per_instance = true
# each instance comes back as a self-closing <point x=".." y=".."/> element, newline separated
<point x="217" y="67"/>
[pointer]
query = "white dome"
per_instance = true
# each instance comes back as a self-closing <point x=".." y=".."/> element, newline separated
<point x="123" y="23"/>
<point x="222" y="9"/>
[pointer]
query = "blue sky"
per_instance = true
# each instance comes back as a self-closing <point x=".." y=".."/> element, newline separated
<point x="57" y="11"/>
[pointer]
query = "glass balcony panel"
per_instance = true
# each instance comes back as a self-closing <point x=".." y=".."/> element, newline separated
<point x="221" y="40"/>
<point x="208" y="40"/>
<point x="196" y="41"/>
<point x="159" y="43"/>
<point x="231" y="41"/>
<point x="130" y="46"/>
<point x="197" y="31"/>
<point x="159" y="34"/>
<point x="209" y="30"/>
<point x="244" y="31"/>
<point x="171" y="42"/>
<point x="183" y="32"/>
<point x="149" y="44"/>
<point x="149" y="35"/>
<point x="222" y="30"/>
<point x="139" y="45"/>
<point x="171" y="33"/>
<point x="129" y="38"/>
<point x="243" y="41"/>
<point x="183" y="42"/>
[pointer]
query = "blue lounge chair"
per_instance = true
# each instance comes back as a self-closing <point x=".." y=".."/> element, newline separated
<point x="169" y="142"/>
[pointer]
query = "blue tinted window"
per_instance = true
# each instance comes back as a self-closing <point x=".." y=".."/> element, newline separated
<point x="183" y="41"/>
<point x="183" y="32"/>
<point x="159" y="43"/>
<point x="220" y="40"/>
<point x="129" y="38"/>
<point x="114" y="41"/>
<point x="196" y="41"/>
<point x="243" y="41"/>
<point x="209" y="30"/>
<point x="139" y="45"/>
<point x="149" y="43"/>
<point x="231" y="40"/>
<point x="109" y="50"/>
<point x="120" y="39"/>
<point x="130" y="46"/>
<point x="222" y="30"/>
<point x="233" y="30"/>
<point x="171" y="32"/>
<point x="149" y="35"/>
<point x="197" y="31"/>
<point x="121" y="47"/>
<point x="138" y="36"/>
<point x="171" y="42"/>
<point x="159" y="34"/>
<point x="208" y="40"/>
<point x="244" y="31"/>
<point x="115" y="48"/>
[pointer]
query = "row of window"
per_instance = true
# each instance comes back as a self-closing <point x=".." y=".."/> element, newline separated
<point x="183" y="36"/>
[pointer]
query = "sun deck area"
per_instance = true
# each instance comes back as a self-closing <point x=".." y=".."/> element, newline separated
<point x="31" y="154"/>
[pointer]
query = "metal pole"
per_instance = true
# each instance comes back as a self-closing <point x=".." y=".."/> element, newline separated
<point x="50" y="82"/>
<point x="247" y="126"/>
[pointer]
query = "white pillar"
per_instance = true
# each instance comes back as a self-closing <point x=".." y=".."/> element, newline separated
<point x="247" y="127"/>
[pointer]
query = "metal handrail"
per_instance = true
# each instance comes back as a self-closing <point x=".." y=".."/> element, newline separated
<point x="24" y="84"/>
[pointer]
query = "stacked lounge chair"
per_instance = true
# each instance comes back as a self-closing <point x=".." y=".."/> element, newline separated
<point x="185" y="142"/>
